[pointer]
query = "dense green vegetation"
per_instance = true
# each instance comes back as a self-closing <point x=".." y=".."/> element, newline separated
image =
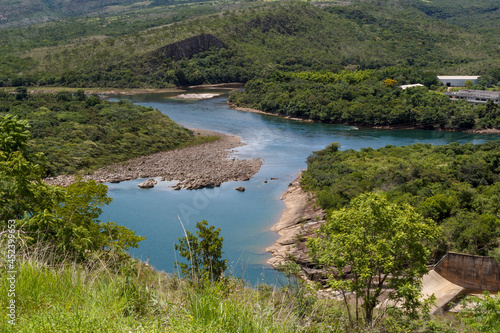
<point x="369" y="97"/>
<point x="386" y="248"/>
<point x="332" y="62"/>
<point x="73" y="275"/>
<point x="77" y="132"/>
<point x="455" y="185"/>
<point x="260" y="39"/>
<point x="27" y="12"/>
<point x="66" y="220"/>
<point x="479" y="15"/>
<point x="203" y="253"/>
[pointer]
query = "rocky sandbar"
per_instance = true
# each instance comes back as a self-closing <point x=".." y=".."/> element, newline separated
<point x="205" y="165"/>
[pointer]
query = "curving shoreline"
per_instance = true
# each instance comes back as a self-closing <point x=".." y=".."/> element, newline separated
<point x="238" y="108"/>
<point x="298" y="221"/>
<point x="385" y="127"/>
<point x="204" y="165"/>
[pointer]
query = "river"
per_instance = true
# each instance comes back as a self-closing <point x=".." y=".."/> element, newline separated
<point x="245" y="218"/>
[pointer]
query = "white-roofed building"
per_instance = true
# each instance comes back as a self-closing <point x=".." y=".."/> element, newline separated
<point x="457" y="81"/>
<point x="404" y="86"/>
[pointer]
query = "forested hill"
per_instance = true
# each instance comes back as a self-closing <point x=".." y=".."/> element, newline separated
<point x="26" y="12"/>
<point x="260" y="38"/>
<point x="78" y="132"/>
<point x="479" y="15"/>
<point x="454" y="185"/>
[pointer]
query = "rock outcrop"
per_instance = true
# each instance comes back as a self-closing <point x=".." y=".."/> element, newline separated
<point x="150" y="183"/>
<point x="187" y="48"/>
<point x="299" y="220"/>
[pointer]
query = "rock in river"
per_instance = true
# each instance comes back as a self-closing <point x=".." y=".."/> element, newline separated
<point x="147" y="184"/>
<point x="241" y="189"/>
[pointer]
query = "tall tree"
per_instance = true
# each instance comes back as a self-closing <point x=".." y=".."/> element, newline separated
<point x="383" y="245"/>
<point x="203" y="252"/>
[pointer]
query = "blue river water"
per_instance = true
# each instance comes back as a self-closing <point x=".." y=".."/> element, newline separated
<point x="245" y="218"/>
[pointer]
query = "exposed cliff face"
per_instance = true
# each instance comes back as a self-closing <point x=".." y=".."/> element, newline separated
<point x="188" y="47"/>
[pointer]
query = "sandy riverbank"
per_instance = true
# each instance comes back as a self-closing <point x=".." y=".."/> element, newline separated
<point x="105" y="91"/>
<point x="485" y="131"/>
<point x="299" y="219"/>
<point x="129" y="91"/>
<point x="197" y="96"/>
<point x="234" y="107"/>
<point x="205" y="165"/>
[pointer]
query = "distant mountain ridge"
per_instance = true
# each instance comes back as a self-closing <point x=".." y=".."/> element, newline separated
<point x="26" y="12"/>
<point x="260" y="38"/>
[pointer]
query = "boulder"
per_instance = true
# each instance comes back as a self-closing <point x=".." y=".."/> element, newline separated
<point x="147" y="184"/>
<point x="241" y="189"/>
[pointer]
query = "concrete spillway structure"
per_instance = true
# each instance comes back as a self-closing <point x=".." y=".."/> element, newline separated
<point x="459" y="274"/>
<point x="476" y="273"/>
<point x="444" y="290"/>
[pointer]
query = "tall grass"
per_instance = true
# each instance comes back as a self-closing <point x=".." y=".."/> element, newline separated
<point x="55" y="294"/>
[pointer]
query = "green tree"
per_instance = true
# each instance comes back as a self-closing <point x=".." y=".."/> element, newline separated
<point x="21" y="93"/>
<point x="76" y="227"/>
<point x="384" y="247"/>
<point x="468" y="84"/>
<point x="482" y="313"/>
<point x="22" y="191"/>
<point x="203" y="252"/>
<point x="65" y="218"/>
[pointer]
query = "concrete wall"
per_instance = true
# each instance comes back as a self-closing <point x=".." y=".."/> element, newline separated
<point x="456" y="82"/>
<point x="471" y="272"/>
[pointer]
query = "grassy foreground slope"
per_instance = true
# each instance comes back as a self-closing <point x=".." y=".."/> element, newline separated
<point x="55" y="296"/>
<point x="260" y="38"/>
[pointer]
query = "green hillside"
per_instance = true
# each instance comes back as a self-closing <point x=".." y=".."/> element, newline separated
<point x="260" y="38"/>
<point x="27" y="12"/>
<point x="76" y="132"/>
<point x="454" y="185"/>
<point x="478" y="15"/>
<point x="330" y="61"/>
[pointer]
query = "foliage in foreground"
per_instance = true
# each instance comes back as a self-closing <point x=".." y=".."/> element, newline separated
<point x="203" y="253"/>
<point x="121" y="296"/>
<point x="482" y="312"/>
<point x="457" y="186"/>
<point x="67" y="219"/>
<point x="62" y="296"/>
<point x="383" y="247"/>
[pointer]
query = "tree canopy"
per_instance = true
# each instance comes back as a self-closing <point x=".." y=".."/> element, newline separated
<point x="454" y="185"/>
<point x="79" y="132"/>
<point x="382" y="246"/>
<point x="65" y="219"/>
<point x="202" y="252"/>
